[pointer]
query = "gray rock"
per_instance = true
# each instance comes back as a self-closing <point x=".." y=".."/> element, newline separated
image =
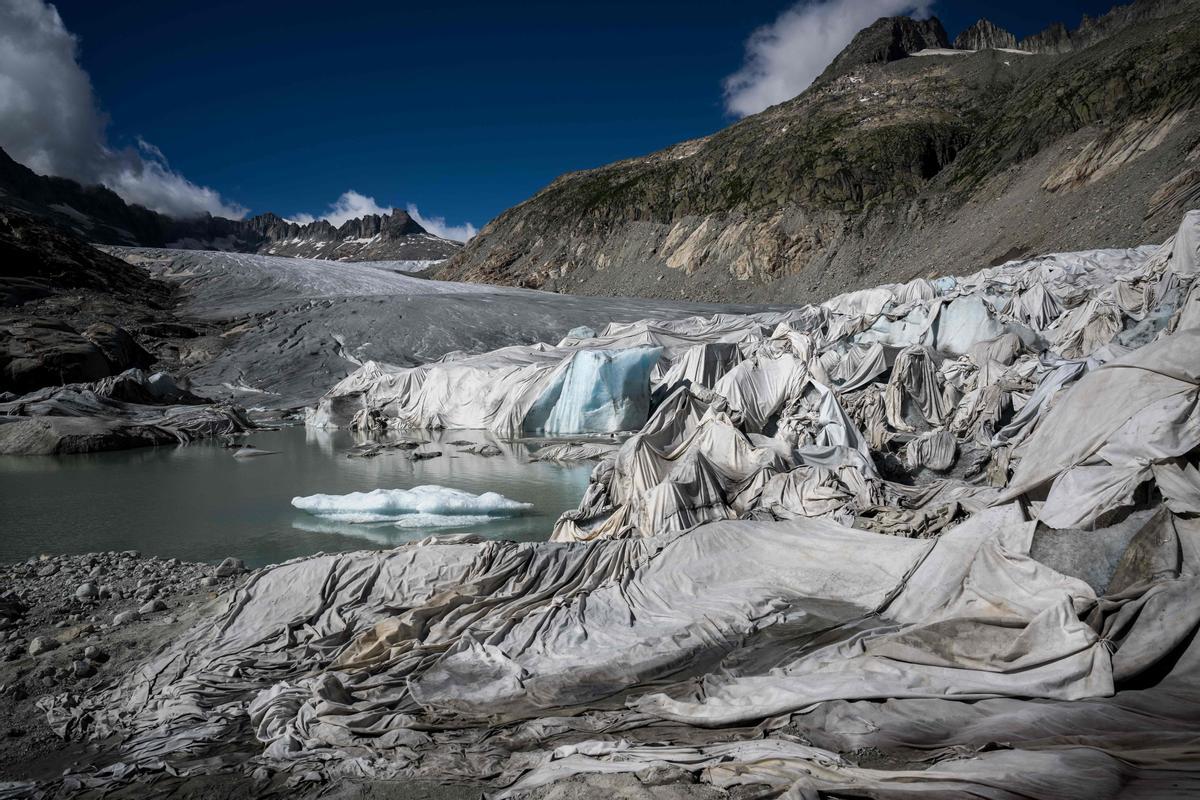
<point x="209" y="581"/>
<point x="94" y="653"/>
<point x="118" y="347"/>
<point x="48" y="570"/>
<point x="37" y="352"/>
<point x="42" y="644"/>
<point x="87" y="591"/>
<point x="152" y="607"/>
<point x="125" y="617"/>
<point x="664" y="775"/>
<point x="230" y="567"/>
<point x="486" y="449"/>
<point x="83" y="669"/>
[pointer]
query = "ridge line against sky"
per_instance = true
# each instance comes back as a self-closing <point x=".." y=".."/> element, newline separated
<point x="466" y="108"/>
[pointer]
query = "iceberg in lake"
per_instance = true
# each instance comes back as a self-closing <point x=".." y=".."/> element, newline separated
<point x="421" y="506"/>
<point x="597" y="391"/>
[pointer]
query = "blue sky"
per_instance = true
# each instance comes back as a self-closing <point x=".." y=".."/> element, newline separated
<point x="461" y="108"/>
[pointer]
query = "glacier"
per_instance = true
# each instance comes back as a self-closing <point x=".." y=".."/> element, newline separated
<point x="917" y="519"/>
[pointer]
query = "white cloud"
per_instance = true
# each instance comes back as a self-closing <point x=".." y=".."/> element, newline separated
<point x="352" y="205"/>
<point x="438" y="227"/>
<point x="50" y="122"/>
<point x="785" y="57"/>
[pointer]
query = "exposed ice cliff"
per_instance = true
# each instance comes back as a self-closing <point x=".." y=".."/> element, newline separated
<point x="596" y="391"/>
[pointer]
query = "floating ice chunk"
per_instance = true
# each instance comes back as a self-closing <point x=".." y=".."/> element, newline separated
<point x="251" y="452"/>
<point x="418" y="507"/>
<point x="598" y="391"/>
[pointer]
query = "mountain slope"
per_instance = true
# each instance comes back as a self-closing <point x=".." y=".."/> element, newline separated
<point x="982" y="156"/>
<point x="99" y="215"/>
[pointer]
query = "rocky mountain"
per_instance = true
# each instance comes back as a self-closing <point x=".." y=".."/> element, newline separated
<point x="984" y="35"/>
<point x="978" y="157"/>
<point x="69" y="312"/>
<point x="99" y="215"/>
<point x="1057" y="38"/>
<point x="887" y="39"/>
<point x="374" y="237"/>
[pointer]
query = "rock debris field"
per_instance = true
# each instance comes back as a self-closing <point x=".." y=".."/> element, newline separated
<point x="76" y="623"/>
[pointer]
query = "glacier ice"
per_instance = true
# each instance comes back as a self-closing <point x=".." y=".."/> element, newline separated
<point x="596" y="391"/>
<point x="421" y="506"/>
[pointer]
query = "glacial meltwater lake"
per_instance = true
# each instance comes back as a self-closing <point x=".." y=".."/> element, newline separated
<point x="200" y="503"/>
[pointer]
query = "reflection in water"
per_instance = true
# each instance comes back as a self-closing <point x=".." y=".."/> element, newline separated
<point x="200" y="503"/>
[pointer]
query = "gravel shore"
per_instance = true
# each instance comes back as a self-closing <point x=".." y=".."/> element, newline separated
<point x="76" y="624"/>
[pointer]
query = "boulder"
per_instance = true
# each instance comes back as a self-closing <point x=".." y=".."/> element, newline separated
<point x="230" y="567"/>
<point x="42" y="644"/>
<point x="152" y="607"/>
<point x="118" y="347"/>
<point x="37" y="352"/>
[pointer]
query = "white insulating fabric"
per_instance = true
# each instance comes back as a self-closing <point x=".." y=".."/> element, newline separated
<point x="1097" y="443"/>
<point x="983" y="358"/>
<point x="969" y="644"/>
<point x="352" y="661"/>
<point x="842" y="529"/>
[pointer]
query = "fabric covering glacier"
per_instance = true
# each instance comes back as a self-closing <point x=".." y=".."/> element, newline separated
<point x="951" y="526"/>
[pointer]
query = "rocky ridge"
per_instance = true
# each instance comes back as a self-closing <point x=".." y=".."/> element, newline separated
<point x="984" y="35"/>
<point x="887" y="39"/>
<point x="374" y="237"/>
<point x="980" y="156"/>
<point x="70" y="313"/>
<point x="98" y="215"/>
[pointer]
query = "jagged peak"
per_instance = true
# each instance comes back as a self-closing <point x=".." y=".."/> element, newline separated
<point x="887" y="39"/>
<point x="1054" y="38"/>
<point x="984" y="35"/>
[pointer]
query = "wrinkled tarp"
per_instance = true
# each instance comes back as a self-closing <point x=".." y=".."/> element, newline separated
<point x="131" y="409"/>
<point x="847" y="544"/>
